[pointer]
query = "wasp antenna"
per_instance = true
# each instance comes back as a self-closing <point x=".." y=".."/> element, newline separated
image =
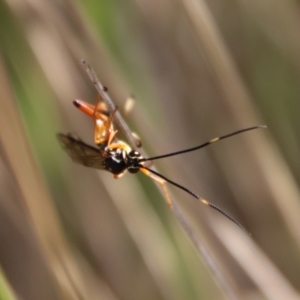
<point x="220" y="210"/>
<point x="205" y="144"/>
<point x="203" y="201"/>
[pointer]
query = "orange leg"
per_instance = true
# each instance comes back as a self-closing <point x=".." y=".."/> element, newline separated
<point x="162" y="184"/>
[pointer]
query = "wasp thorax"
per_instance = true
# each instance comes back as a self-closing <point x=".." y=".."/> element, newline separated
<point x="115" y="162"/>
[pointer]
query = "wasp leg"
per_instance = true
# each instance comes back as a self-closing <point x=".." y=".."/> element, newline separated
<point x="162" y="184"/>
<point x="112" y="137"/>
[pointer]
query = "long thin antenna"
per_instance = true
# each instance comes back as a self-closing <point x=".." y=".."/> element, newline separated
<point x="203" y="145"/>
<point x="202" y="200"/>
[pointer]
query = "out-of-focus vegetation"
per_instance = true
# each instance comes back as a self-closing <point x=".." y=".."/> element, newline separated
<point x="197" y="70"/>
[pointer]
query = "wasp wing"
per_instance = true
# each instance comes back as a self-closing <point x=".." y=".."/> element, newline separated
<point x="80" y="152"/>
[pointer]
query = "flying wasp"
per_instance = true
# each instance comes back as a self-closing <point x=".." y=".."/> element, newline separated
<point x="117" y="157"/>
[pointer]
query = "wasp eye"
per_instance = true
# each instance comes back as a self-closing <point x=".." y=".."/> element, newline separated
<point x="134" y="154"/>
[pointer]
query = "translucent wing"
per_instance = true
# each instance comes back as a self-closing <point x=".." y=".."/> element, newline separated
<point x="80" y="152"/>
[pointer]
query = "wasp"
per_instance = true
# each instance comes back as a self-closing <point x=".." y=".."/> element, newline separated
<point x="117" y="157"/>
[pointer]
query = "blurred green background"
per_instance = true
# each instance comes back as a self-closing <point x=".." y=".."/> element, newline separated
<point x="197" y="70"/>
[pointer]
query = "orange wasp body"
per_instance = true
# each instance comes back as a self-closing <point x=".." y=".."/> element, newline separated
<point x="105" y="135"/>
<point x="103" y="120"/>
<point x="117" y="157"/>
